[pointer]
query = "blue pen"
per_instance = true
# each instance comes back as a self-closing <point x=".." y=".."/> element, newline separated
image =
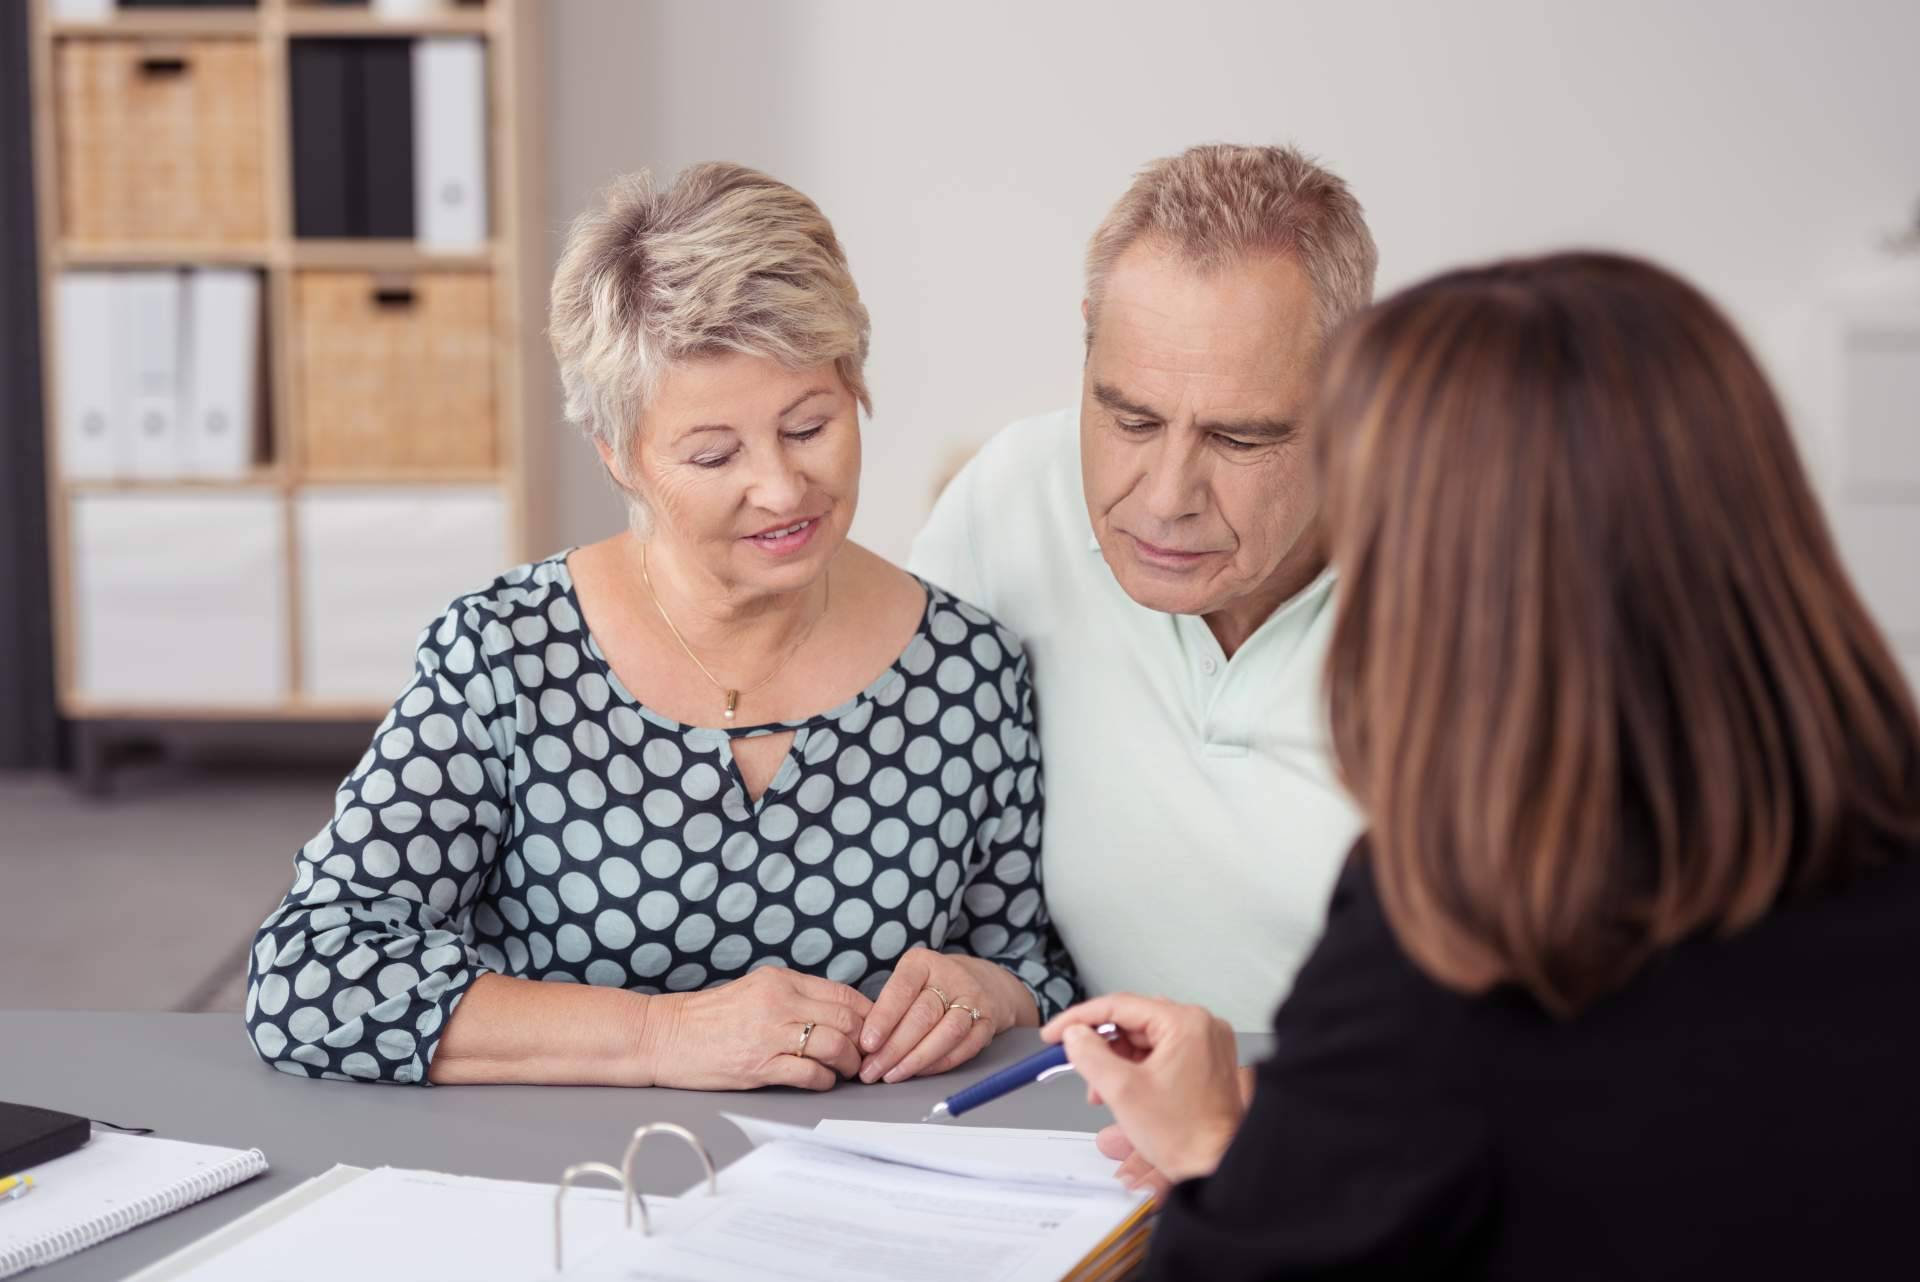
<point x="1050" y="1062"/>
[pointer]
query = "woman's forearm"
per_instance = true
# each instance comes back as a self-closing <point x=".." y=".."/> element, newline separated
<point x="525" y="1031"/>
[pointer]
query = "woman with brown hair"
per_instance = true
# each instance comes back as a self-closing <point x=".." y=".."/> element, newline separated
<point x="1622" y="979"/>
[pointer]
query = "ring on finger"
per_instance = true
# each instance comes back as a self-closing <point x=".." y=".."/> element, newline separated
<point x="806" y="1031"/>
<point x="945" y="1000"/>
<point x="972" y="1012"/>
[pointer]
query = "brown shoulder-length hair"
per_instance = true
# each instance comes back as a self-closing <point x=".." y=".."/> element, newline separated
<point x="1598" y="679"/>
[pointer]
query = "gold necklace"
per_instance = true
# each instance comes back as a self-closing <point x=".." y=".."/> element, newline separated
<point x="732" y="694"/>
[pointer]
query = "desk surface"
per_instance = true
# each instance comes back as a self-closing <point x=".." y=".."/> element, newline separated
<point x="193" y="1077"/>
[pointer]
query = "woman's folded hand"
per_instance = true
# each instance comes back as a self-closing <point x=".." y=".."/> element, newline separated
<point x="937" y="1012"/>
<point x="748" y="1033"/>
<point x="1172" y="1080"/>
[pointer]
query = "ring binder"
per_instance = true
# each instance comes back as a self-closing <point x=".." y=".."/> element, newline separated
<point x="623" y="1176"/>
<point x="572" y="1173"/>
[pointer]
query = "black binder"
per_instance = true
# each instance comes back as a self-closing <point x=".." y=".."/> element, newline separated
<point x="352" y="138"/>
<point x="323" y="197"/>
<point x="386" y="137"/>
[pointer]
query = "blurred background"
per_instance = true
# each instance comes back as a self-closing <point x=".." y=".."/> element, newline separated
<point x="273" y="384"/>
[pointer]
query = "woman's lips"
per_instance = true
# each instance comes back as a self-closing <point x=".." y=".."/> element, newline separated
<point x="782" y="540"/>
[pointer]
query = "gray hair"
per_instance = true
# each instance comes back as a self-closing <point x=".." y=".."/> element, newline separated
<point x="1219" y="202"/>
<point x="725" y="259"/>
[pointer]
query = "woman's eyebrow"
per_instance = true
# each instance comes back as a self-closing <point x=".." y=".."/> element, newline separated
<point x="787" y="409"/>
<point x="802" y="399"/>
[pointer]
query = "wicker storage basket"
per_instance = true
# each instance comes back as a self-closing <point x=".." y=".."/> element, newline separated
<point x="394" y="373"/>
<point x="161" y="141"/>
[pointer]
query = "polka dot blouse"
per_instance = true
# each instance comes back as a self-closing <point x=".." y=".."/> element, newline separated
<point x="521" y="813"/>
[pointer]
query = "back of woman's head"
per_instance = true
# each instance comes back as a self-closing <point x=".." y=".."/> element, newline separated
<point x="1599" y="681"/>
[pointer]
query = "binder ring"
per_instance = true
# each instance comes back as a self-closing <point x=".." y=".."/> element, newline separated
<point x="633" y="1150"/>
<point x="575" y="1172"/>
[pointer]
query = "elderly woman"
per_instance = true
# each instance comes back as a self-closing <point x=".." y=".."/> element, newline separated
<point x="723" y="801"/>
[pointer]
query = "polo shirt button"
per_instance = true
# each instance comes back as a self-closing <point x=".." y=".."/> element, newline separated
<point x="1208" y="666"/>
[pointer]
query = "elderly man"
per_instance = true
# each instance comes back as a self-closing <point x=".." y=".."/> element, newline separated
<point x="1159" y="554"/>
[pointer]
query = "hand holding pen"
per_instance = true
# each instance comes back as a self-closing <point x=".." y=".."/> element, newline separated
<point x="1171" y="1077"/>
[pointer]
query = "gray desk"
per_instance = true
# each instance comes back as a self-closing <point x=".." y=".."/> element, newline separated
<point x="193" y="1077"/>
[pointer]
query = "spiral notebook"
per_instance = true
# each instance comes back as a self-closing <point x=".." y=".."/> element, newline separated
<point x="115" y="1183"/>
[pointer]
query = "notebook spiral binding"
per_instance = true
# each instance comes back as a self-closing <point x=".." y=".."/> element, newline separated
<point x="622" y="1176"/>
<point x="58" y="1246"/>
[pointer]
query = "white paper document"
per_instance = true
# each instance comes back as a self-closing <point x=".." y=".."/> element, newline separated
<point x="868" y="1204"/>
<point x="1065" y="1155"/>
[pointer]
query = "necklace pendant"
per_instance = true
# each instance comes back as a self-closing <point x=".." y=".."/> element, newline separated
<point x="733" y="702"/>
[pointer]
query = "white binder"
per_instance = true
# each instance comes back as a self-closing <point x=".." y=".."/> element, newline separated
<point x="148" y="328"/>
<point x="450" y="142"/>
<point x="91" y="445"/>
<point x="802" y="1205"/>
<point x="223" y="366"/>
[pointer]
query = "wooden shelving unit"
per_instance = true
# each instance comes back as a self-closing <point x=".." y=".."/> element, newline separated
<point x="513" y="258"/>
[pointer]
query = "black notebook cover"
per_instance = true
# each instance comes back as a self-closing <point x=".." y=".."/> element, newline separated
<point x="30" y="1136"/>
<point x="385" y="149"/>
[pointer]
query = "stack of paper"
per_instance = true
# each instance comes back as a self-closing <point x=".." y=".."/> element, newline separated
<point x="870" y="1202"/>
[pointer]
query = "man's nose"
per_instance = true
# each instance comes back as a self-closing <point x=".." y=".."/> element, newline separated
<point x="1176" y="482"/>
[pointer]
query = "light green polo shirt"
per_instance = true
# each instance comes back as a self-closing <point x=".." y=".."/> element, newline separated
<point x="1194" y="827"/>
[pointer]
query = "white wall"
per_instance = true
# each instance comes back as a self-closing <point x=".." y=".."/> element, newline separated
<point x="966" y="151"/>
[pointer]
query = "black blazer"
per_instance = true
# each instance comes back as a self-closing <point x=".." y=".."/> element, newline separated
<point x="1744" y="1108"/>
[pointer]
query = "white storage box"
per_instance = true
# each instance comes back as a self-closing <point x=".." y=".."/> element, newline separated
<point x="180" y="599"/>
<point x="376" y="564"/>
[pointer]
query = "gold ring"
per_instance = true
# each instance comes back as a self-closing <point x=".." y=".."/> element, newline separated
<point x="944" y="999"/>
<point x="806" y="1031"/>
<point x="973" y="1012"/>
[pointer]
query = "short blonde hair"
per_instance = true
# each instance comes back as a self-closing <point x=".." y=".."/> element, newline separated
<point x="725" y="259"/>
<point x="1216" y="203"/>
